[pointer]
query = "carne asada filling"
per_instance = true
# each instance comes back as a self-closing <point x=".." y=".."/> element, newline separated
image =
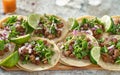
<point x="110" y="51"/>
<point x="16" y="26"/>
<point x="36" y="52"/>
<point x="77" y="47"/>
<point x="115" y="29"/>
<point x="93" y="27"/>
<point x="49" y="26"/>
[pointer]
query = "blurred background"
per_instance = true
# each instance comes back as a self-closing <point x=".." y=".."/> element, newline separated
<point x="65" y="9"/>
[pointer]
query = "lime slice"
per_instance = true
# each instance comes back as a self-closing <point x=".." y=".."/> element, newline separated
<point x="11" y="60"/>
<point x="107" y="20"/>
<point x="95" y="55"/>
<point x="33" y="20"/>
<point x="21" y="39"/>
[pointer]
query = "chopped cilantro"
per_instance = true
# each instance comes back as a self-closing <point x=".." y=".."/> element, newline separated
<point x="118" y="44"/>
<point x="2" y="45"/>
<point x="104" y="49"/>
<point x="11" y="20"/>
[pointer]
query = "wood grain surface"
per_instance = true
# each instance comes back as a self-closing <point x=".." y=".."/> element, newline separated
<point x="60" y="66"/>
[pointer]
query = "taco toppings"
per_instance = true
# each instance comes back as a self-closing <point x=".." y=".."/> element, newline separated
<point x="76" y="48"/>
<point x="5" y="45"/>
<point x="110" y="50"/>
<point x="16" y="26"/>
<point x="48" y="26"/>
<point x="36" y="52"/>
<point x="91" y="26"/>
<point x="116" y="26"/>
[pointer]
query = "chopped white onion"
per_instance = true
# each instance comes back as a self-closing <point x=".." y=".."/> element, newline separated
<point x="110" y="47"/>
<point x="30" y="51"/>
<point x="37" y="58"/>
<point x="89" y="32"/>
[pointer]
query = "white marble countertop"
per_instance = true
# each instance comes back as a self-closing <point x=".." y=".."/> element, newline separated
<point x="74" y="8"/>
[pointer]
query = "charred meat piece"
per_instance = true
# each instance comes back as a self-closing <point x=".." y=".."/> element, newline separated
<point x="60" y="25"/>
<point x="67" y="53"/>
<point x="59" y="32"/>
<point x="85" y="26"/>
<point x="86" y="57"/>
<point x="114" y="40"/>
<point x="19" y="28"/>
<point x="6" y="49"/>
<point x="39" y="31"/>
<point x="116" y="53"/>
<point x="107" y="58"/>
<point x="2" y="53"/>
<point x="51" y="36"/>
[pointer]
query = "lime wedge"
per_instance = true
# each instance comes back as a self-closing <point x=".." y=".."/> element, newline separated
<point x="21" y="39"/>
<point x="11" y="60"/>
<point x="95" y="55"/>
<point x="33" y="20"/>
<point x="107" y="20"/>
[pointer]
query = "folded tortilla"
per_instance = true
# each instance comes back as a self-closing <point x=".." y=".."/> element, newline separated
<point x="54" y="60"/>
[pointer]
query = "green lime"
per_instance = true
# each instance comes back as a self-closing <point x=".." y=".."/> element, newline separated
<point x="21" y="39"/>
<point x="107" y="20"/>
<point x="11" y="60"/>
<point x="95" y="55"/>
<point x="33" y="20"/>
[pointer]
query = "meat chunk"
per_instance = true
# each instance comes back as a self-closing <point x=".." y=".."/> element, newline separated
<point x="102" y="44"/>
<point x="67" y="53"/>
<point x="6" y="49"/>
<point x="114" y="40"/>
<point x="45" y="42"/>
<point x="37" y="62"/>
<point x="86" y="57"/>
<point x="24" y="51"/>
<point x="1" y="53"/>
<point x="32" y="58"/>
<point x="39" y="31"/>
<point x="72" y="55"/>
<point x="116" y="53"/>
<point x="59" y="32"/>
<point x="107" y="58"/>
<point x="19" y="28"/>
<point x="60" y="25"/>
<point x="85" y="26"/>
<point x="51" y="36"/>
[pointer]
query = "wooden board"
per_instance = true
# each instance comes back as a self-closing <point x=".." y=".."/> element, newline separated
<point x="60" y="66"/>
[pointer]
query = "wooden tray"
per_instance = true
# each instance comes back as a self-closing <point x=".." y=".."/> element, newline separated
<point x="60" y="66"/>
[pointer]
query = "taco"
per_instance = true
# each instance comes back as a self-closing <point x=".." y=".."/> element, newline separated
<point x="6" y="47"/>
<point x="87" y="24"/>
<point x="50" y="26"/>
<point x="110" y="52"/>
<point x="16" y="27"/>
<point x="115" y="28"/>
<point x="75" y="49"/>
<point x="38" y="54"/>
